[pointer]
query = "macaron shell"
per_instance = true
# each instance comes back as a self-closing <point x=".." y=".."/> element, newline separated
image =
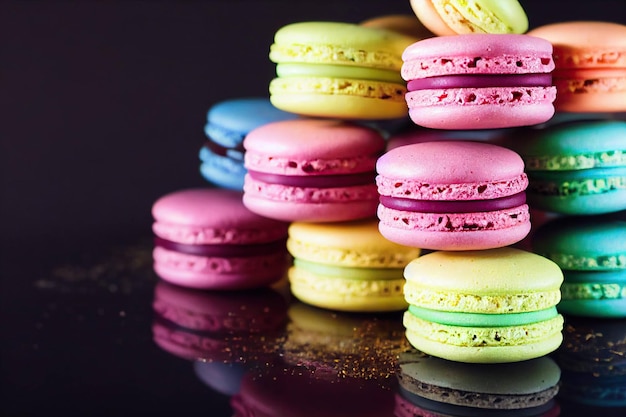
<point x="313" y="147"/>
<point x="465" y="115"/>
<point x="546" y="338"/>
<point x="333" y="205"/>
<point x="343" y="99"/>
<point x="467" y="170"/>
<point x="212" y="216"/>
<point x="477" y="54"/>
<point x="456" y="240"/>
<point x="338" y="42"/>
<point x="218" y="273"/>
<point x="348" y="244"/>
<point x="585" y="44"/>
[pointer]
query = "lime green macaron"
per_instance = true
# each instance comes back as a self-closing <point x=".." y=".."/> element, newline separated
<point x="347" y="266"/>
<point x="339" y="70"/>
<point x="487" y="306"/>
<point x="591" y="251"/>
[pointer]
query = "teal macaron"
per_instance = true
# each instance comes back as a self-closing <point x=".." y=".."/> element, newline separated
<point x="227" y="124"/>
<point x="575" y="168"/>
<point x="591" y="251"/>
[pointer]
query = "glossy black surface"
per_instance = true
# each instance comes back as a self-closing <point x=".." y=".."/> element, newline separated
<point x="103" y="108"/>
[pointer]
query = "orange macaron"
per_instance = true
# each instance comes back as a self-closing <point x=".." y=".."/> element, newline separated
<point x="590" y="65"/>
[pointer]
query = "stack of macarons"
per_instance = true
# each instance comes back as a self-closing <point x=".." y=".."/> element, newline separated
<point x="452" y="189"/>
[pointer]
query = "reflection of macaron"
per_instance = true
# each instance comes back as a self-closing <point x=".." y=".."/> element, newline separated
<point x="488" y="306"/>
<point x="591" y="251"/>
<point x="297" y="392"/>
<point x="476" y="16"/>
<point x="593" y="361"/>
<point x="314" y="170"/>
<point x="576" y="167"/>
<point x="228" y="122"/>
<point x="338" y="70"/>
<point x="226" y="326"/>
<point x="347" y="266"/>
<point x="207" y="238"/>
<point x="590" y="60"/>
<point x="452" y="195"/>
<point x="432" y="385"/>
<point x="344" y="345"/>
<point x="479" y="81"/>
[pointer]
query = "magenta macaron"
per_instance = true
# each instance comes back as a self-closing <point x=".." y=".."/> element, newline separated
<point x="312" y="170"/>
<point x="452" y="195"/>
<point x="206" y="238"/>
<point x="479" y="81"/>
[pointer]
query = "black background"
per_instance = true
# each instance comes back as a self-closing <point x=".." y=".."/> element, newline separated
<point x="103" y="108"/>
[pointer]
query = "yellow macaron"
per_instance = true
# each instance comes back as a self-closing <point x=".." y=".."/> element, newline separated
<point x="339" y="70"/>
<point x="486" y="306"/>
<point x="347" y="266"/>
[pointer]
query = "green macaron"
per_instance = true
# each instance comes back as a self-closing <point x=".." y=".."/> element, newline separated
<point x="591" y="251"/>
<point x="577" y="167"/>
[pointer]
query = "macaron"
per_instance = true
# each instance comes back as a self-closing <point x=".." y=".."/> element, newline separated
<point x="486" y="306"/>
<point x="575" y="168"/>
<point x="591" y="251"/>
<point x="206" y="238"/>
<point x="452" y="195"/>
<point x="230" y="327"/>
<point x="479" y="81"/>
<point x="432" y="386"/>
<point x="593" y="363"/>
<point x="590" y="65"/>
<point x="347" y="266"/>
<point x="338" y="70"/>
<point x="451" y="17"/>
<point x="227" y="123"/>
<point x="314" y="170"/>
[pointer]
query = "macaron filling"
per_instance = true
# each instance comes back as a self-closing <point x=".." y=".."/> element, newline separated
<point x="480" y="81"/>
<point x="587" y="160"/>
<point x="223" y="250"/>
<point x="337" y="71"/>
<point x="550" y="183"/>
<point x="470" y="206"/>
<point x="481" y="319"/>
<point x="315" y="181"/>
<point x="217" y="149"/>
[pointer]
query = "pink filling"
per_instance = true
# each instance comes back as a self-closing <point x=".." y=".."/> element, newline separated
<point x="222" y="250"/>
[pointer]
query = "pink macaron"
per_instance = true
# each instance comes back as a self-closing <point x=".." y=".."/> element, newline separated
<point x="452" y="195"/>
<point x="206" y="238"/>
<point x="313" y="170"/>
<point x="479" y="81"/>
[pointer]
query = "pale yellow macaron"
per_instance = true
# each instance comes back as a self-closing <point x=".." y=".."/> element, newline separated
<point x="339" y="70"/>
<point x="347" y="266"/>
<point x="484" y="306"/>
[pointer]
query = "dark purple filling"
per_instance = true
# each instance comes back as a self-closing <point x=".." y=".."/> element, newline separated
<point x="223" y="250"/>
<point x="471" y="206"/>
<point x="218" y="149"/>
<point x="316" y="181"/>
<point x="479" y="81"/>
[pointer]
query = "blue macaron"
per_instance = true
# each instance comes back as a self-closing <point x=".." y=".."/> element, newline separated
<point x="228" y="123"/>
